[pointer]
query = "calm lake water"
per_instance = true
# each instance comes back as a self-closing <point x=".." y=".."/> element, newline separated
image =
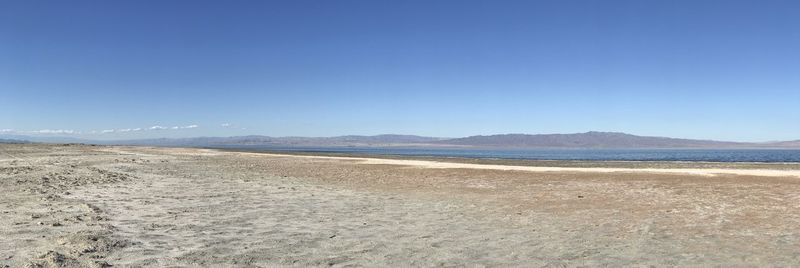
<point x="705" y="155"/>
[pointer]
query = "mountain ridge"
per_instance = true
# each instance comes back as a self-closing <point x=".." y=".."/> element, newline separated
<point x="591" y="139"/>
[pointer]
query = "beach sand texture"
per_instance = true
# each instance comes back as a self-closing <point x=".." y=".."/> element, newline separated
<point x="95" y="206"/>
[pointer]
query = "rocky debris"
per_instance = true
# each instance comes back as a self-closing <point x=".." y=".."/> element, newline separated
<point x="46" y="188"/>
<point x="85" y="242"/>
<point x="131" y="160"/>
<point x="101" y="264"/>
<point x="16" y="170"/>
<point x="91" y="208"/>
<point x="60" y="180"/>
<point x="107" y="176"/>
<point x="54" y="259"/>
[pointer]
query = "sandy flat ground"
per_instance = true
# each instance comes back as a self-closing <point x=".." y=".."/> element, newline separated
<point x="79" y="206"/>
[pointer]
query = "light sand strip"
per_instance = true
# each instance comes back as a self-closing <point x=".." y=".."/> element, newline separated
<point x="437" y="164"/>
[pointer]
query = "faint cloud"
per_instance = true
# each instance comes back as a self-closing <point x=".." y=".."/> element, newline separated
<point x="229" y="125"/>
<point x="121" y="130"/>
<point x="185" y="127"/>
<point x="175" y="127"/>
<point x="95" y="132"/>
<point x="56" y="131"/>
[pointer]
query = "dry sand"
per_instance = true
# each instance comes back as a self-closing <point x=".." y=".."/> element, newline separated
<point x="78" y="206"/>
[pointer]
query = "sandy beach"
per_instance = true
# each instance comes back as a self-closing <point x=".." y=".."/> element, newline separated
<point x="102" y="206"/>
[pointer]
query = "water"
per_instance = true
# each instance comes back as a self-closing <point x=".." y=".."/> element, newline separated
<point x="697" y="155"/>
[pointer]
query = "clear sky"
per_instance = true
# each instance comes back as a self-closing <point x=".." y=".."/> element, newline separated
<point x="727" y="70"/>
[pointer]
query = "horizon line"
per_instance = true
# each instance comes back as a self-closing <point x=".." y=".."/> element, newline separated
<point x="72" y="135"/>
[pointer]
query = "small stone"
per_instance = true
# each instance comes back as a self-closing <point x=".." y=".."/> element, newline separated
<point x="40" y="223"/>
<point x="102" y="264"/>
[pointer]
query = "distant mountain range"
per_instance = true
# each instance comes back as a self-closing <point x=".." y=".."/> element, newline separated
<point x="589" y="140"/>
<point x="793" y="144"/>
<point x="13" y="141"/>
<point x="378" y="140"/>
<point x="577" y="140"/>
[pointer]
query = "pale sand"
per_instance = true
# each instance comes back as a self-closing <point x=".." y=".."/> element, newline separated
<point x="83" y="206"/>
<point x="438" y="164"/>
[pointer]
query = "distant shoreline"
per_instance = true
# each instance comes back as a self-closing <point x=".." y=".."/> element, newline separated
<point x="534" y="162"/>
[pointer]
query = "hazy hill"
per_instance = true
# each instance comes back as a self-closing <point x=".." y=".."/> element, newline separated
<point x="386" y="140"/>
<point x="13" y="141"/>
<point x="44" y="139"/>
<point x="784" y="144"/>
<point x="577" y="140"/>
<point x="587" y="140"/>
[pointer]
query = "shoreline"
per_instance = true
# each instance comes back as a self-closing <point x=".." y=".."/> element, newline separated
<point x="624" y="164"/>
<point x="450" y="165"/>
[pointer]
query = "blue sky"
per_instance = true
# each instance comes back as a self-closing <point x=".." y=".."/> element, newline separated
<point x="727" y="70"/>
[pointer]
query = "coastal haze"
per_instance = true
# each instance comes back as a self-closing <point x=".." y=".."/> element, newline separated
<point x="594" y="139"/>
